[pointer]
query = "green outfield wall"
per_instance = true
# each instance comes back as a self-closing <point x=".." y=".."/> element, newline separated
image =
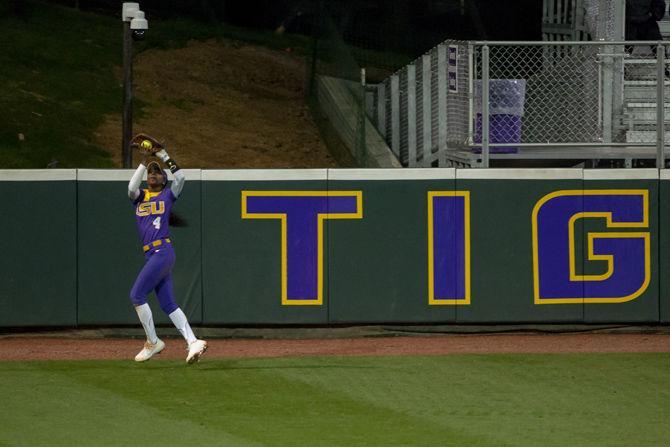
<point x="38" y="266"/>
<point x="336" y="246"/>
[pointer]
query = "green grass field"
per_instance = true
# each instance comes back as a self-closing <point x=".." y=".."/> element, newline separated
<point x="460" y="400"/>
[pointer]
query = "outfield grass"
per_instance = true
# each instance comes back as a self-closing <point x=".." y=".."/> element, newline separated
<point x="468" y="400"/>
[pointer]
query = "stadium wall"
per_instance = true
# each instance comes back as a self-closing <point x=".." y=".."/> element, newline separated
<point x="331" y="246"/>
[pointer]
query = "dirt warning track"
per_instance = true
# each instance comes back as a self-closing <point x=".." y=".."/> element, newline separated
<point x="31" y="348"/>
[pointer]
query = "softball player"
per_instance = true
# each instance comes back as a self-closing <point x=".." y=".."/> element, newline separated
<point x="152" y="212"/>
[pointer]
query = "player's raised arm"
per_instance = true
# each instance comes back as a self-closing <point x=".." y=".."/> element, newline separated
<point x="136" y="180"/>
<point x="179" y="178"/>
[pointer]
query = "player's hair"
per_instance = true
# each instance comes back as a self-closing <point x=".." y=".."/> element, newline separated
<point x="177" y="221"/>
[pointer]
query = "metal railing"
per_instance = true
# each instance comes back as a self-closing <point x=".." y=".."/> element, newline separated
<point x="499" y="97"/>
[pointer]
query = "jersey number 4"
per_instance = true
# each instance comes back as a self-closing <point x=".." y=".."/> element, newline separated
<point x="157" y="223"/>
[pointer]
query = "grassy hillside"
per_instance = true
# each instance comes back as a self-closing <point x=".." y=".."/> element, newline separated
<point x="57" y="73"/>
<point x="61" y="69"/>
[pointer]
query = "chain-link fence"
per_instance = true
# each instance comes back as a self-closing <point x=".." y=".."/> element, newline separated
<point x="541" y="95"/>
<point x="557" y="104"/>
<point x="600" y="19"/>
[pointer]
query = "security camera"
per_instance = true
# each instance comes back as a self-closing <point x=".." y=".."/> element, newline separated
<point x="138" y="23"/>
<point x="139" y="26"/>
<point x="139" y="34"/>
<point x="128" y="11"/>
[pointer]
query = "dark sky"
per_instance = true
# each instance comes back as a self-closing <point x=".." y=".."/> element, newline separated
<point x="423" y="22"/>
<point x="476" y="20"/>
<point x="511" y="20"/>
<point x="414" y="24"/>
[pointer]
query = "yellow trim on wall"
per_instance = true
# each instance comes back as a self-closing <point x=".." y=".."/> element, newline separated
<point x="431" y="262"/>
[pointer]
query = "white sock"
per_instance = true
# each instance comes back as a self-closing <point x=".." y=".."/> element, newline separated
<point x="147" y="320"/>
<point x="181" y="323"/>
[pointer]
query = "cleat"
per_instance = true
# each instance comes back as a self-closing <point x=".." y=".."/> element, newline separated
<point x="195" y="351"/>
<point x="149" y="350"/>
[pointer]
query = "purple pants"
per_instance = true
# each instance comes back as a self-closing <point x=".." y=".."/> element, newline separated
<point x="156" y="275"/>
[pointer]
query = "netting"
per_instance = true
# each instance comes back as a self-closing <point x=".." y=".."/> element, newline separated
<point x="599" y="19"/>
<point x="336" y="93"/>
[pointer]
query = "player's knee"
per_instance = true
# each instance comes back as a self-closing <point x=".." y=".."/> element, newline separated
<point x="168" y="307"/>
<point x="137" y="299"/>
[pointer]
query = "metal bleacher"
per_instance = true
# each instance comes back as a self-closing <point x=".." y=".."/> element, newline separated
<point x="637" y="119"/>
<point x="641" y="93"/>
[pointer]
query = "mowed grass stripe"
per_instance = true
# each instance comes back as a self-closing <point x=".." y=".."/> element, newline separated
<point x="251" y="400"/>
<point x="494" y="400"/>
<point x="549" y="400"/>
<point x="53" y="407"/>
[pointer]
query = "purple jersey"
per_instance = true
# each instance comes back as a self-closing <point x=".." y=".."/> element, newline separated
<point x="152" y="214"/>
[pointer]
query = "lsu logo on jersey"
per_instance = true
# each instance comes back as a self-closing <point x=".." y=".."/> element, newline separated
<point x="623" y="253"/>
<point x="149" y="208"/>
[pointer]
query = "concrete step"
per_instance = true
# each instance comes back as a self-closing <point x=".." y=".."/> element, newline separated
<point x="649" y="119"/>
<point x="639" y="75"/>
<point x="664" y="26"/>
<point x="643" y="126"/>
<point x="638" y="59"/>
<point x="643" y="70"/>
<point x="644" y="116"/>
<point x="644" y="105"/>
<point x="642" y="83"/>
<point x="644" y="136"/>
<point x="642" y="96"/>
<point x="630" y="119"/>
<point x="644" y="91"/>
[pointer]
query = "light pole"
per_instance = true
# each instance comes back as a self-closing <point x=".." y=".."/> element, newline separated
<point x="134" y="28"/>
